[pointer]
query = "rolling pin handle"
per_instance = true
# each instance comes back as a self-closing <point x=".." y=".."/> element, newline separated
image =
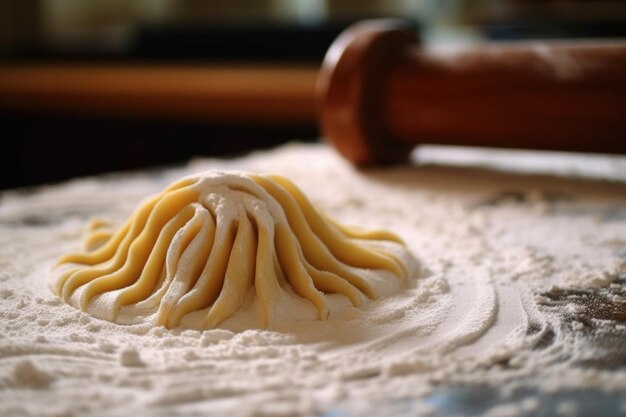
<point x="350" y="87"/>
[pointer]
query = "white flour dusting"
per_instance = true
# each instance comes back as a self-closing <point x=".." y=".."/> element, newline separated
<point x="523" y="279"/>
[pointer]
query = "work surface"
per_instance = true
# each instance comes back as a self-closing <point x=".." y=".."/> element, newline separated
<point x="519" y="309"/>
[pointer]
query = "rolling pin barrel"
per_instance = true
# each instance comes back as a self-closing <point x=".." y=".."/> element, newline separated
<point x="380" y="95"/>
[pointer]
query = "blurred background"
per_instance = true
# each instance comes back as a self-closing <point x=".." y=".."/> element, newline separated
<point x="90" y="86"/>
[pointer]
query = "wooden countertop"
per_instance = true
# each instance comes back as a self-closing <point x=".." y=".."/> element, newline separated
<point x="232" y="93"/>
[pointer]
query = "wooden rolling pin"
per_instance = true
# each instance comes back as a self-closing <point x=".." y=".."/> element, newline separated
<point x="380" y="94"/>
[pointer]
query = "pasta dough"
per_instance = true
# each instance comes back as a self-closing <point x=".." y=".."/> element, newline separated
<point x="208" y="243"/>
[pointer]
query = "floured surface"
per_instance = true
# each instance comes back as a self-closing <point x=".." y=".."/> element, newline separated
<point x="523" y="286"/>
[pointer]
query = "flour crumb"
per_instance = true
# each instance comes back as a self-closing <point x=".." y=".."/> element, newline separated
<point x="566" y="409"/>
<point x="191" y="355"/>
<point x="130" y="357"/>
<point x="505" y="410"/>
<point x="576" y="308"/>
<point x="529" y="404"/>
<point x="210" y="337"/>
<point x="331" y="393"/>
<point x="82" y="338"/>
<point x="106" y="346"/>
<point x="52" y="302"/>
<point x="6" y="293"/>
<point x="27" y="375"/>
<point x="602" y="280"/>
<point x="157" y="331"/>
<point x="618" y="299"/>
<point x="192" y="334"/>
<point x="94" y="328"/>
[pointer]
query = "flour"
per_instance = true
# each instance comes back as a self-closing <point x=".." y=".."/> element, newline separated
<point x="522" y="276"/>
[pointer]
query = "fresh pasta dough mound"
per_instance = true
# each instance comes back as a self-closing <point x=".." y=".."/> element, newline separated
<point x="209" y="244"/>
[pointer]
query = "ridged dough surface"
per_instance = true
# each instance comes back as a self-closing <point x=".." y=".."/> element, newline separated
<point x="211" y="245"/>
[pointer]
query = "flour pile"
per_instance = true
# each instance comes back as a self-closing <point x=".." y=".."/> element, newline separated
<point x="522" y="285"/>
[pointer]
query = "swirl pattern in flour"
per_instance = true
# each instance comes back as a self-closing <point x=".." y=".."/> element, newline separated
<point x="212" y="245"/>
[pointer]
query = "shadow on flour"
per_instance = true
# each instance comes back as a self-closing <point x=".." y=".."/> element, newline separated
<point x="554" y="187"/>
<point x="550" y="202"/>
<point x="44" y="218"/>
<point x="522" y="401"/>
<point x="492" y="400"/>
<point x="596" y="319"/>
